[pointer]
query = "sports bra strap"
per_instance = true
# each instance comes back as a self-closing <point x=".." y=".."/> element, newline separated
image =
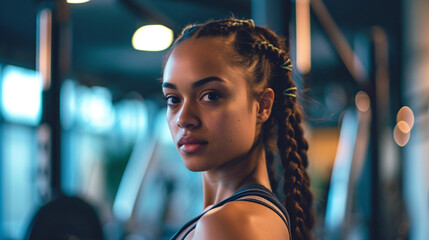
<point x="252" y="193"/>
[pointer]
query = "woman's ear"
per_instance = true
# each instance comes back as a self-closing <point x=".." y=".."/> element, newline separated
<point x="265" y="102"/>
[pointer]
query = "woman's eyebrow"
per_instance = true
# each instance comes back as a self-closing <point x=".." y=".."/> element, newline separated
<point x="168" y="85"/>
<point x="205" y="81"/>
<point x="195" y="84"/>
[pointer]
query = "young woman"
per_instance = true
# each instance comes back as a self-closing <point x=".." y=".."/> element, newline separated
<point x="231" y="100"/>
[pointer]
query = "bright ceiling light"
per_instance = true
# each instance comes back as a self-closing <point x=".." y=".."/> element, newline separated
<point x="77" y="1"/>
<point x="152" y="38"/>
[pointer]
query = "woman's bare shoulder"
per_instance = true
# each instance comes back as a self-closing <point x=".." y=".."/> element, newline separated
<point x="241" y="220"/>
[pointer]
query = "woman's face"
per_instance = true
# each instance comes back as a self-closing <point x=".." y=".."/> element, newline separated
<point x="210" y="116"/>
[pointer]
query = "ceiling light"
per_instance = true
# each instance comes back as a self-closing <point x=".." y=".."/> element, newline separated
<point x="77" y="1"/>
<point x="152" y="38"/>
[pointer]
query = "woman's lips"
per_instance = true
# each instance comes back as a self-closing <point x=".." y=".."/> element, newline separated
<point x="191" y="144"/>
<point x="191" y="148"/>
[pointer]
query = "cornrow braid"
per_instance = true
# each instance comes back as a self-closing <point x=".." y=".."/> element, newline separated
<point x="269" y="48"/>
<point x="239" y="22"/>
<point x="263" y="54"/>
<point x="278" y="55"/>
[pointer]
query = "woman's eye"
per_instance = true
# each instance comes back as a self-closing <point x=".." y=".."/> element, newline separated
<point x="210" y="97"/>
<point x="171" y="100"/>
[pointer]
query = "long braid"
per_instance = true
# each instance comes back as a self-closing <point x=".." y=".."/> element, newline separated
<point x="298" y="197"/>
<point x="302" y="150"/>
<point x="290" y="142"/>
<point x="261" y="52"/>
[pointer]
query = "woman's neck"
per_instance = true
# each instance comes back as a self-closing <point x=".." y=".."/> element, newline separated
<point x="221" y="183"/>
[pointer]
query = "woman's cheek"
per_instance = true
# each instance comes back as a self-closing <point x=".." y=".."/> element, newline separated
<point x="172" y="124"/>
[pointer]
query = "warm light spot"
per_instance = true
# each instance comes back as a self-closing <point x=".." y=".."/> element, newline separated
<point x="403" y="126"/>
<point x="406" y="114"/>
<point x="303" y="36"/>
<point x="77" y="1"/>
<point x="362" y="101"/>
<point x="44" y="46"/>
<point x="152" y="38"/>
<point x="401" y="138"/>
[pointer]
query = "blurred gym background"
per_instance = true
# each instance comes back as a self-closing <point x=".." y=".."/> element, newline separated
<point x="84" y="141"/>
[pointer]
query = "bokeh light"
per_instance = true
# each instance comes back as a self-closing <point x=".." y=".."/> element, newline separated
<point x="21" y="95"/>
<point x="401" y="138"/>
<point x="403" y="126"/>
<point x="407" y="115"/>
<point x="362" y="101"/>
<point x="77" y="1"/>
<point x="152" y="38"/>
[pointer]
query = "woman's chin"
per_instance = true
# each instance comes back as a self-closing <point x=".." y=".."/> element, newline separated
<point x="194" y="166"/>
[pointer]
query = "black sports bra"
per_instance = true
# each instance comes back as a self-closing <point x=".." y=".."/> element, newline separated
<point x="253" y="193"/>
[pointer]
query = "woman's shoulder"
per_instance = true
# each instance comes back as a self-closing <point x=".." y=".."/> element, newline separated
<point x="241" y="220"/>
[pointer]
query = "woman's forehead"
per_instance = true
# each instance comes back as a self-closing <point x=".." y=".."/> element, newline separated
<point x="207" y="46"/>
<point x="198" y="58"/>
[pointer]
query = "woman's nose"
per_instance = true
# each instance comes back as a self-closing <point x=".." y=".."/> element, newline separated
<point x="187" y="118"/>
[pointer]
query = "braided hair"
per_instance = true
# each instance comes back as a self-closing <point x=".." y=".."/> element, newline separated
<point x="262" y="53"/>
